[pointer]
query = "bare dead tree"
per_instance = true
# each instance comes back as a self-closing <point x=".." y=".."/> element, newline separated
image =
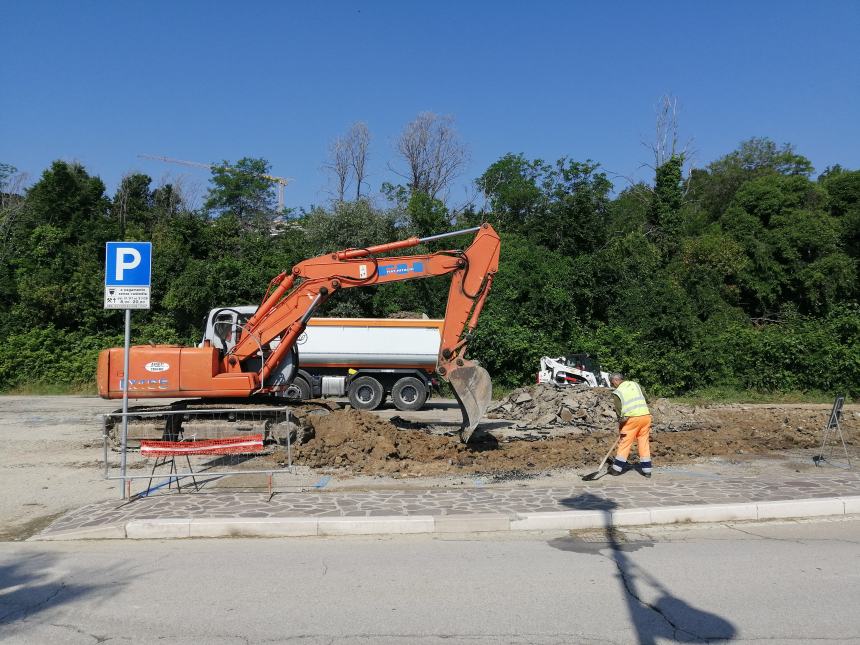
<point x="339" y="165"/>
<point x="666" y="140"/>
<point x="433" y="153"/>
<point x="357" y="144"/>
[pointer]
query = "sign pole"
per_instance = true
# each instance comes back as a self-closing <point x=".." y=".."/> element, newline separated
<point x="124" y="440"/>
<point x="128" y="281"/>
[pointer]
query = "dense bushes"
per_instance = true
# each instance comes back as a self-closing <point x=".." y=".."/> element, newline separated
<point x="744" y="276"/>
<point x="45" y="355"/>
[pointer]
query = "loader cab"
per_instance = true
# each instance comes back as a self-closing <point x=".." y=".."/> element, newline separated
<point x="587" y="363"/>
<point x="583" y="362"/>
<point x="224" y="326"/>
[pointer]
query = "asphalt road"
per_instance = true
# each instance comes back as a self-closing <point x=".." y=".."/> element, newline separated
<point x="780" y="582"/>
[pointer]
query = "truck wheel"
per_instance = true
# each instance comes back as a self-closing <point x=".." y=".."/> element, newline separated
<point x="366" y="393"/>
<point x="409" y="393"/>
<point x="298" y="390"/>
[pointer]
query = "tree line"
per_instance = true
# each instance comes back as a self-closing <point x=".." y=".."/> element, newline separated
<point x="740" y="275"/>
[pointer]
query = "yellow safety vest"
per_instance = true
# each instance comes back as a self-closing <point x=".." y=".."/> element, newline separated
<point x="632" y="400"/>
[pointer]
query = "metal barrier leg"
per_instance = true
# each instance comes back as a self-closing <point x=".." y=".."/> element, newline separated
<point x="193" y="478"/>
<point x="159" y="461"/>
<point x="174" y="469"/>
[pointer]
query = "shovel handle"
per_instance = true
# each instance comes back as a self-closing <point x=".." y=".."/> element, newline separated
<point x="609" y="452"/>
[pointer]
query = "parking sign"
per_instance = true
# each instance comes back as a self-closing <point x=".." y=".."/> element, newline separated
<point x="128" y="275"/>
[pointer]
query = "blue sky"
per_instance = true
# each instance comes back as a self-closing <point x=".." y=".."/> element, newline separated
<point x="101" y="82"/>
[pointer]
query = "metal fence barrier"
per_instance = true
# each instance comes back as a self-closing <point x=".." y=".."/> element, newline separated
<point x="173" y="447"/>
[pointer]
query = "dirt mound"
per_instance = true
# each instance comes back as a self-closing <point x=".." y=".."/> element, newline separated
<point x="361" y="442"/>
<point x="407" y="315"/>
<point x="353" y="441"/>
<point x="586" y="408"/>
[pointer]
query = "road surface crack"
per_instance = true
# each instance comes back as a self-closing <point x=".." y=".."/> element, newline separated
<point x="628" y="587"/>
<point x="26" y="611"/>
<point x="78" y="630"/>
<point x="764" y="537"/>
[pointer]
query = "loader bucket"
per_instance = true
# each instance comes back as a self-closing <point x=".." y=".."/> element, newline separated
<point x="474" y="391"/>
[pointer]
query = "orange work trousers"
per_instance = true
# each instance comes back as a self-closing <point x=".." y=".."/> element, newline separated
<point x="636" y="429"/>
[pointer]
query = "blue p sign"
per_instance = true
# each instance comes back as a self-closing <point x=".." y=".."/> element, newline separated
<point x="128" y="272"/>
<point x="128" y="264"/>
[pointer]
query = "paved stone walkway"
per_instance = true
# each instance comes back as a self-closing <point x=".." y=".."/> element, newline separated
<point x="606" y="493"/>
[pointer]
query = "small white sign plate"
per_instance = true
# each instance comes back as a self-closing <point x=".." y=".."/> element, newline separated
<point x="117" y="297"/>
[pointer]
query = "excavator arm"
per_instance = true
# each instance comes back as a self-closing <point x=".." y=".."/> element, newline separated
<point x="293" y="297"/>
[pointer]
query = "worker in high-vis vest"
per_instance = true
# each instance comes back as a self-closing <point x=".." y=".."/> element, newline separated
<point x="634" y="424"/>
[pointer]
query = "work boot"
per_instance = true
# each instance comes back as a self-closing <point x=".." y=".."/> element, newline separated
<point x="618" y="467"/>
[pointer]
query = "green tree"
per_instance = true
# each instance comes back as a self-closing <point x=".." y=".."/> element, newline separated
<point x="59" y="249"/>
<point x="242" y="191"/>
<point x="666" y="201"/>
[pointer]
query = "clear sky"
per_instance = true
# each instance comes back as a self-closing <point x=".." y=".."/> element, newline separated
<point x="101" y="82"/>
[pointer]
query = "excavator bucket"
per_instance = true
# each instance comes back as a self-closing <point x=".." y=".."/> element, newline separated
<point x="474" y="391"/>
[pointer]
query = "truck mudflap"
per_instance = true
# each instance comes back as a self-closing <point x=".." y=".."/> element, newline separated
<point x="474" y="390"/>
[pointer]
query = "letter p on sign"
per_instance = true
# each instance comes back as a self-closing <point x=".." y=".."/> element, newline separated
<point x="126" y="258"/>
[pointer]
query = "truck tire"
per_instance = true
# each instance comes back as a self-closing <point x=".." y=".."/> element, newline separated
<point x="298" y="390"/>
<point x="366" y="393"/>
<point x="409" y="393"/>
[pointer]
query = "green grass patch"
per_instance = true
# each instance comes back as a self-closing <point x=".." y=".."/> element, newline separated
<point x="730" y="395"/>
<point x="53" y="389"/>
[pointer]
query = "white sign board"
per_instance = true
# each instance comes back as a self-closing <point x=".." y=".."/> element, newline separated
<point x="128" y="275"/>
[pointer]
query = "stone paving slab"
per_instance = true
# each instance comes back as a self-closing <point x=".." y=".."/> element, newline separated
<point x="442" y="506"/>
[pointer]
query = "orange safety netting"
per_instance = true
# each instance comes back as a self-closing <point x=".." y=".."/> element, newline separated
<point x="229" y="446"/>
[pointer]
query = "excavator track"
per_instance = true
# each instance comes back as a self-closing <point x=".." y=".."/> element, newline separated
<point x="273" y="417"/>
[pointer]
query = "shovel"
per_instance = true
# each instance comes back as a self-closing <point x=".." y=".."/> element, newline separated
<point x="474" y="390"/>
<point x="592" y="476"/>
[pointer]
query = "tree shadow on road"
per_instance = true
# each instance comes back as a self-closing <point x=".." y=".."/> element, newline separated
<point x="667" y="617"/>
<point x="30" y="585"/>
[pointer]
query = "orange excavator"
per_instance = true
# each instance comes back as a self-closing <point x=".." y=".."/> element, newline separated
<point x="264" y="359"/>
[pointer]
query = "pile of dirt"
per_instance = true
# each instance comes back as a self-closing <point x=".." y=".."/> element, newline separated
<point x="353" y="441"/>
<point x="360" y="442"/>
<point x="587" y="409"/>
<point x="408" y="315"/>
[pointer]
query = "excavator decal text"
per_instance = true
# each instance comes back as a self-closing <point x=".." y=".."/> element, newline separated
<point x="146" y="384"/>
<point x="402" y="268"/>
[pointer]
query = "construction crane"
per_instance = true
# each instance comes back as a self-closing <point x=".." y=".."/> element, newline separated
<point x="280" y="181"/>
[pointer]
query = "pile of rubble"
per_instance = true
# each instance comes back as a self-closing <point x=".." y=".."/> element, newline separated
<point x="542" y="406"/>
<point x="583" y="409"/>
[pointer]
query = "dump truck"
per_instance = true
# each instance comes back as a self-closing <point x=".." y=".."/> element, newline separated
<point x="365" y="359"/>
<point x="265" y="358"/>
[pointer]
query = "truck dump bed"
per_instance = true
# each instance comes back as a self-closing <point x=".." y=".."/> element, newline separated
<point x="370" y="342"/>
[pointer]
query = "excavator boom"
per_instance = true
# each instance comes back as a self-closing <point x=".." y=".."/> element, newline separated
<point x="293" y="297"/>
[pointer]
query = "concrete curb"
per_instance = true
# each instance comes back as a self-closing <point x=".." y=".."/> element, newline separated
<point x="169" y="528"/>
